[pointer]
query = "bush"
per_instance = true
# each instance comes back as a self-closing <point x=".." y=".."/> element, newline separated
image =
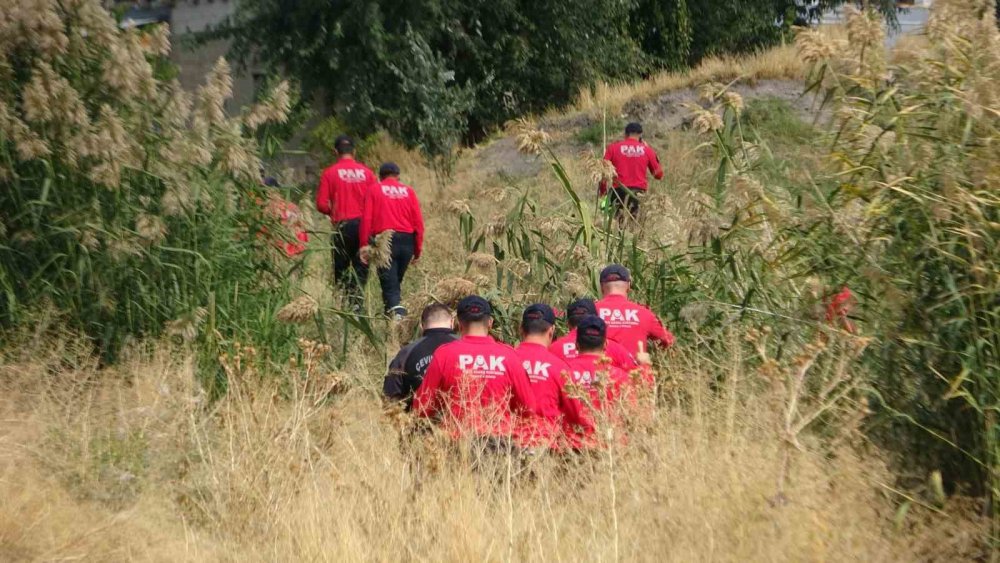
<point x="129" y="205"/>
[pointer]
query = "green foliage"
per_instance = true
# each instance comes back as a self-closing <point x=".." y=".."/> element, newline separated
<point x="127" y="206"/>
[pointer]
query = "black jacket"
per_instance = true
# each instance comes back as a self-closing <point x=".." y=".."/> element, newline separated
<point x="407" y="369"/>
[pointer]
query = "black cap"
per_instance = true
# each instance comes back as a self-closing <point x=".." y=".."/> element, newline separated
<point x="633" y="129"/>
<point x="388" y="169"/>
<point x="579" y="309"/>
<point x="539" y="312"/>
<point x="615" y="272"/>
<point x="343" y="144"/>
<point x="473" y="308"/>
<point x="591" y="333"/>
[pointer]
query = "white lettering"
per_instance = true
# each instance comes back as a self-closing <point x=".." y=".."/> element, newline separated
<point x="482" y="365"/>
<point x="538" y="371"/>
<point x="351" y="175"/>
<point x="633" y="151"/>
<point x="395" y="192"/>
<point x="569" y="350"/>
<point x="617" y="317"/>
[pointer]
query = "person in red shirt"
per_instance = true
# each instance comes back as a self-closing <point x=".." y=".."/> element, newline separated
<point x="547" y="374"/>
<point x="393" y="206"/>
<point x="475" y="385"/>
<point x="565" y="347"/>
<point x="630" y="324"/>
<point x="632" y="158"/>
<point x="341" y="195"/>
<point x="591" y="372"/>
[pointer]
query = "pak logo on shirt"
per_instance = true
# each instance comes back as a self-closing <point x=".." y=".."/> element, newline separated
<point x="619" y="318"/>
<point x="569" y="350"/>
<point x="482" y="366"/>
<point x="352" y="175"/>
<point x="583" y="377"/>
<point x="395" y="192"/>
<point x="633" y="151"/>
<point x="537" y="371"/>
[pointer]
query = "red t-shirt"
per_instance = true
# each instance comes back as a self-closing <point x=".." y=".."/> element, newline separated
<point x="631" y="159"/>
<point x="565" y="348"/>
<point x="630" y="323"/>
<point x="547" y="374"/>
<point x="586" y="371"/>
<point x="391" y="205"/>
<point x="478" y="384"/>
<point x="342" y="189"/>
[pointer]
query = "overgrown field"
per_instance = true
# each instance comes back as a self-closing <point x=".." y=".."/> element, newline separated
<point x="172" y="388"/>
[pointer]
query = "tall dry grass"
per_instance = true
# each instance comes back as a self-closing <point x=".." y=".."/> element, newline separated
<point x="132" y="464"/>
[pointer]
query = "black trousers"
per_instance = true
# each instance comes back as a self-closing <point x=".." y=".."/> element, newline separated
<point x="391" y="278"/>
<point x="623" y="199"/>
<point x="348" y="271"/>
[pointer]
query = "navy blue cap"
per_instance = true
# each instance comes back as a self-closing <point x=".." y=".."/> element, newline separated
<point x="388" y="169"/>
<point x="539" y="312"/>
<point x="615" y="272"/>
<point x="343" y="144"/>
<point x="633" y="129"/>
<point x="580" y="308"/>
<point x="473" y="308"/>
<point x="592" y="326"/>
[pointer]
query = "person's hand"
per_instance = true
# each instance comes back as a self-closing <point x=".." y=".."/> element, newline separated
<point x="363" y="254"/>
<point x="643" y="357"/>
<point x="416" y="259"/>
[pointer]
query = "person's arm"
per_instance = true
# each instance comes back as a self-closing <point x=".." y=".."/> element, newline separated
<point x="656" y="330"/>
<point x="367" y="216"/>
<point x="393" y="386"/>
<point x="324" y="195"/>
<point x="571" y="409"/>
<point x="604" y="185"/>
<point x="654" y="164"/>
<point x="418" y="224"/>
<point x="426" y="398"/>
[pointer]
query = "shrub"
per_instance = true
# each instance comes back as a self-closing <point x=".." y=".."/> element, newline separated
<point x="129" y="205"/>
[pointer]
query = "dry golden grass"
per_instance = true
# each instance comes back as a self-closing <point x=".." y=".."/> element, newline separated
<point x="133" y="464"/>
<point x="779" y="63"/>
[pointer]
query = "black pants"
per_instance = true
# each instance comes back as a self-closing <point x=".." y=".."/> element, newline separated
<point x="625" y="199"/>
<point x="391" y="278"/>
<point x="348" y="271"/>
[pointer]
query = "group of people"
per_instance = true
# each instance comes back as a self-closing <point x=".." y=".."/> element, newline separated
<point x="362" y="207"/>
<point x="477" y="387"/>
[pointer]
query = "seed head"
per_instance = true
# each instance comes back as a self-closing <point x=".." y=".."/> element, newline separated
<point x="302" y="309"/>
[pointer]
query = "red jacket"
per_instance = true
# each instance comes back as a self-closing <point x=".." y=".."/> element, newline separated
<point x="632" y="158"/>
<point x="565" y="348"/>
<point x="391" y="205"/>
<point x="589" y="372"/>
<point x="482" y="385"/>
<point x="342" y="189"/>
<point x="630" y="323"/>
<point x="547" y="375"/>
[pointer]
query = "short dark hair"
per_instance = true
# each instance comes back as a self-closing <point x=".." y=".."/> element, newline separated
<point x="433" y="312"/>
<point x="343" y="144"/>
<point x="535" y="326"/>
<point x="633" y="128"/>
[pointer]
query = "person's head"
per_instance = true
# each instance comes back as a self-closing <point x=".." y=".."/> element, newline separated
<point x="388" y="170"/>
<point x="591" y="334"/>
<point x="344" y="145"/>
<point x="538" y="323"/>
<point x="436" y="315"/>
<point x="579" y="309"/>
<point x="615" y="280"/>
<point x="475" y="316"/>
<point x="633" y="130"/>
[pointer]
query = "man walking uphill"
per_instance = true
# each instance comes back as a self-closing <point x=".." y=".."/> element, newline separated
<point x="631" y="158"/>
<point x="565" y="347"/>
<point x="546" y="373"/>
<point x="476" y="384"/>
<point x="341" y="195"/>
<point x="393" y="206"/>
<point x="630" y="324"/>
